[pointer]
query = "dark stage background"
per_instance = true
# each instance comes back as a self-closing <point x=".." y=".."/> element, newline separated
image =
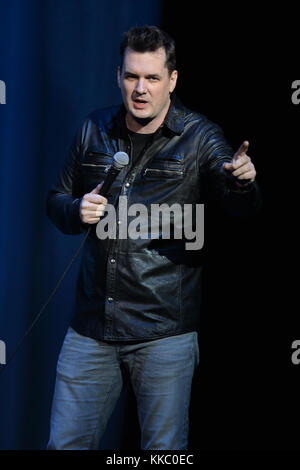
<point x="237" y="68"/>
<point x="59" y="60"/>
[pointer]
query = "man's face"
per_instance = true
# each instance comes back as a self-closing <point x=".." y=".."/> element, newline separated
<point x="146" y="84"/>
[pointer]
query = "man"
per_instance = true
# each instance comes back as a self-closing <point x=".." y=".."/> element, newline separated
<point x="137" y="304"/>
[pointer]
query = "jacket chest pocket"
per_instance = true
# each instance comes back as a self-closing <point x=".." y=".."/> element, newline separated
<point x="95" y="167"/>
<point x="163" y="167"/>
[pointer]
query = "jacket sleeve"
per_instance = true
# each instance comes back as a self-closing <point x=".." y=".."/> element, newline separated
<point x="213" y="152"/>
<point x="64" y="197"/>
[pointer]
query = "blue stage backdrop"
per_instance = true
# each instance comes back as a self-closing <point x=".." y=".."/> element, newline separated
<point x="58" y="60"/>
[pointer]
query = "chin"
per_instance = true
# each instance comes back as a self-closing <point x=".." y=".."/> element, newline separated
<point x="140" y="114"/>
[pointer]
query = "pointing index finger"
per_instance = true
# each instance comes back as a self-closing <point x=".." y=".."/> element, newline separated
<point x="242" y="150"/>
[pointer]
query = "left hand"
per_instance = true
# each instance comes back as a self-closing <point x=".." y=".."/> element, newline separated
<point x="241" y="166"/>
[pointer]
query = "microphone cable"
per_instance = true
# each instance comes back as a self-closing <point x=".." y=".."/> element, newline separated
<point x="37" y="317"/>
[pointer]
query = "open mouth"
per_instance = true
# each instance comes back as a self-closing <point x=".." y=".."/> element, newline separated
<point x="139" y="103"/>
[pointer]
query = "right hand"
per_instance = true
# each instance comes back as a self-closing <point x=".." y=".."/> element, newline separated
<point x="92" y="206"/>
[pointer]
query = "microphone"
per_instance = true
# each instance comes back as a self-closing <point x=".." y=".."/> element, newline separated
<point x="120" y="160"/>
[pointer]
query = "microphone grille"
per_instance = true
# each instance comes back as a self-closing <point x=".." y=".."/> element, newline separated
<point x="120" y="159"/>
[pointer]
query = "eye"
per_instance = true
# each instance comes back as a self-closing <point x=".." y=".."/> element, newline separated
<point x="153" y="79"/>
<point x="129" y="76"/>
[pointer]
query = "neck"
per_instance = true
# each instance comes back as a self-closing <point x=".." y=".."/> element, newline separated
<point x="146" y="126"/>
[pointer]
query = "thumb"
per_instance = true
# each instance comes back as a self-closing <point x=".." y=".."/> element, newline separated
<point x="97" y="188"/>
<point x="227" y="166"/>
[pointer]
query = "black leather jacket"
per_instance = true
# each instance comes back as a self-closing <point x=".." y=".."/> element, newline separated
<point x="146" y="288"/>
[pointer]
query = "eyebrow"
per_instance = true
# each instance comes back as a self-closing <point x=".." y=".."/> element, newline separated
<point x="134" y="75"/>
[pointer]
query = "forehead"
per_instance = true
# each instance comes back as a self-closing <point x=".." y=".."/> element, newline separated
<point x="145" y="62"/>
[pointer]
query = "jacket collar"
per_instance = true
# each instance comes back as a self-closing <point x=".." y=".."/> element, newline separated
<point x="174" y="119"/>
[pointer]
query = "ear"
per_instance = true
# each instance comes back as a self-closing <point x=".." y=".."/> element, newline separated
<point x="119" y="77"/>
<point x="173" y="80"/>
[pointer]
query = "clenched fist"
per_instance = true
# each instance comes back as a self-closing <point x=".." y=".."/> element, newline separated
<point x="92" y="206"/>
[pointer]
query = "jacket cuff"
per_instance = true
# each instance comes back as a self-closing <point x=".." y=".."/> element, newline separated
<point x="77" y="223"/>
<point x="245" y="201"/>
<point x="246" y="188"/>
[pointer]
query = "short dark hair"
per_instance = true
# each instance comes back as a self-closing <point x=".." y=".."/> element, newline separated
<point x="149" y="39"/>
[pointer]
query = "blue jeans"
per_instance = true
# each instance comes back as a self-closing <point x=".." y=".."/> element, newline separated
<point x="89" y="381"/>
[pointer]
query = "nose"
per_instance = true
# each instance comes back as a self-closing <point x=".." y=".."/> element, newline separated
<point x="140" y="86"/>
